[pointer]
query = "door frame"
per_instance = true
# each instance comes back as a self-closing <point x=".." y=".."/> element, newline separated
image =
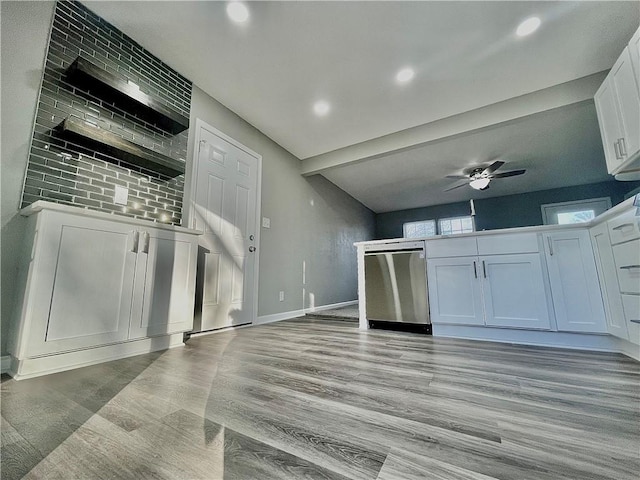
<point x="190" y="177"/>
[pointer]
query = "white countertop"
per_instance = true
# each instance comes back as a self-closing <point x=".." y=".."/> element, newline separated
<point x="113" y="217"/>
<point x="612" y="212"/>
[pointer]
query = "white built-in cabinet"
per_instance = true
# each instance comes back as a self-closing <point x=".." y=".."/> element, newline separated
<point x="605" y="264"/>
<point x="90" y="280"/>
<point x="575" y="290"/>
<point x="618" y="107"/>
<point x="494" y="281"/>
<point x="455" y="292"/>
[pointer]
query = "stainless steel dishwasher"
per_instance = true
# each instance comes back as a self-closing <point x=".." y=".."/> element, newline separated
<point x="396" y="283"/>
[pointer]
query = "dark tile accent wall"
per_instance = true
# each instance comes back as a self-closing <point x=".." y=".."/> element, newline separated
<point x="65" y="172"/>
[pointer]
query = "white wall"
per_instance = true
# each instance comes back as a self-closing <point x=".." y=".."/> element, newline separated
<point x="313" y="222"/>
<point x="25" y="33"/>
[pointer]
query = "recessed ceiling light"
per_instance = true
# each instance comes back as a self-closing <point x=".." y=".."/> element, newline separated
<point x="238" y="12"/>
<point x="321" y="108"/>
<point x="405" y="75"/>
<point x="527" y="27"/>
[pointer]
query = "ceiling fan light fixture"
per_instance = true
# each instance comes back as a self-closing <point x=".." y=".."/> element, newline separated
<point x="479" y="183"/>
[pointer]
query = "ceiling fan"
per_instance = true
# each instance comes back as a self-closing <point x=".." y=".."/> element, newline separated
<point x="479" y="177"/>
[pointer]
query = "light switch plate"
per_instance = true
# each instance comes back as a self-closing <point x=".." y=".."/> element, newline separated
<point x="266" y="222"/>
<point x="121" y="196"/>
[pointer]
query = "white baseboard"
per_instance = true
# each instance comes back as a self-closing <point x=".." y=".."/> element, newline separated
<point x="35" y="367"/>
<point x="277" y="317"/>
<point x="538" y="338"/>
<point x="5" y="363"/>
<point x="331" y="306"/>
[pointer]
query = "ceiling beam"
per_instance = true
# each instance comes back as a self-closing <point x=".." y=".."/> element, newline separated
<point x="542" y="100"/>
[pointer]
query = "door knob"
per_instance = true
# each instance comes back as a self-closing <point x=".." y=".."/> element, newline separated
<point x="251" y="237"/>
<point x="252" y="249"/>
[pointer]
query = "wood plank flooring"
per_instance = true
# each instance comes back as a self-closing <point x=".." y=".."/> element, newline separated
<point x="317" y="398"/>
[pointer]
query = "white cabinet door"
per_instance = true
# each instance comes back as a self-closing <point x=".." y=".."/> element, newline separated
<point x="628" y="100"/>
<point x="634" y="50"/>
<point x="83" y="281"/>
<point x="609" y="120"/>
<point x="164" y="290"/>
<point x="577" y="301"/>
<point x="606" y="268"/>
<point x="455" y="292"/>
<point x="513" y="291"/>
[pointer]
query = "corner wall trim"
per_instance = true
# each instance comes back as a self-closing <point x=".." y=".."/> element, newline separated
<point x="5" y="363"/>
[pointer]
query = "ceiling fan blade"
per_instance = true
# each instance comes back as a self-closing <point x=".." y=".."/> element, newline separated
<point x="493" y="167"/>
<point x="457" y="186"/>
<point x="512" y="173"/>
<point x="459" y="177"/>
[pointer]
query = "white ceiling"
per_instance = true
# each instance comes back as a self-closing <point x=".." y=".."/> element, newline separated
<point x="465" y="54"/>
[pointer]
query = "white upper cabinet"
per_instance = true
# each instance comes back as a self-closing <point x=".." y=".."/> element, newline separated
<point x="575" y="290"/>
<point x="634" y="49"/>
<point x="618" y="108"/>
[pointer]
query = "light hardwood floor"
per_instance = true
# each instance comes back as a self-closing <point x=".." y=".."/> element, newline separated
<point x="317" y="398"/>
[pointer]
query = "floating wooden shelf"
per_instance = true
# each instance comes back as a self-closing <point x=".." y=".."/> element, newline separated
<point x="125" y="95"/>
<point x="111" y="144"/>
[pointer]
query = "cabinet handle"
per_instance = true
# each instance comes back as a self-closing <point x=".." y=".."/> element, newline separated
<point x="484" y="270"/>
<point x="629" y="267"/>
<point x="475" y="272"/>
<point x="621" y="227"/>
<point x="136" y="241"/>
<point x="633" y="320"/>
<point x="550" y="246"/>
<point x="616" y="149"/>
<point x="622" y="147"/>
<point x="145" y="245"/>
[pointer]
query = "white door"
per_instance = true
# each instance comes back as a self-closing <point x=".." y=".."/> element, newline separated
<point x="455" y="293"/>
<point x="225" y="185"/>
<point x="513" y="290"/>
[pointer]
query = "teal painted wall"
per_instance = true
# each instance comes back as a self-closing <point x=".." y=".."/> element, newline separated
<point x="503" y="212"/>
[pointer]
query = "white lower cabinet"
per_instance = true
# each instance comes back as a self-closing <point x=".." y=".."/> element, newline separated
<point x="93" y="282"/>
<point x="492" y="290"/>
<point x="455" y="292"/>
<point x="81" y="285"/>
<point x="575" y="290"/>
<point x="513" y="291"/>
<point x="165" y="274"/>
<point x="606" y="267"/>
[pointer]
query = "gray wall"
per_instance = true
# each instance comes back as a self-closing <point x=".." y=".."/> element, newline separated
<point x="25" y="30"/>
<point x="503" y="212"/>
<point x="313" y="223"/>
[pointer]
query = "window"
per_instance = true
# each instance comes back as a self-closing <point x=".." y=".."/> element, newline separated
<point x="574" y="212"/>
<point x="451" y="226"/>
<point x="425" y="228"/>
